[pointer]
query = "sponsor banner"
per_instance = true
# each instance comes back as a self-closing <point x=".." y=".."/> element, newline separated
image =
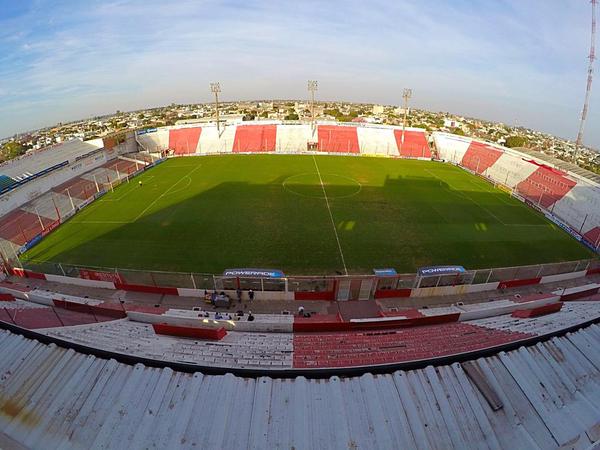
<point x="36" y="239"/>
<point x="50" y="228"/>
<point x="532" y="205"/>
<point x="432" y="271"/>
<point x="564" y="226"/>
<point x="96" y="275"/>
<point x="518" y="196"/>
<point x="504" y="188"/>
<point x="99" y="194"/>
<point x="385" y="272"/>
<point x="85" y="203"/>
<point x="254" y="273"/>
<point x="68" y="215"/>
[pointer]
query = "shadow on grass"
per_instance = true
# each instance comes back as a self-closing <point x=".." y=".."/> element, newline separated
<point x="408" y="222"/>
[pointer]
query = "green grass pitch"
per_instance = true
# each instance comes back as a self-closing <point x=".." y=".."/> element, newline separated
<point x="305" y="215"/>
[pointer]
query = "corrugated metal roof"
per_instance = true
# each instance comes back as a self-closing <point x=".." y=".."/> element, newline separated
<point x="549" y="394"/>
<point x="564" y="165"/>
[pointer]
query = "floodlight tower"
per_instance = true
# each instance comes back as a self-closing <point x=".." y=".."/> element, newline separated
<point x="215" y="88"/>
<point x="406" y="95"/>
<point x="312" y="88"/>
<point x="588" y="88"/>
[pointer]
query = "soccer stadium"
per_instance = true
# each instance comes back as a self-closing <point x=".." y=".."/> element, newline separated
<point x="313" y="285"/>
<point x="334" y="225"/>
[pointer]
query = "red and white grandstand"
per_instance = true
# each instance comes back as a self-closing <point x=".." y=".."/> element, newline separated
<point x="94" y="360"/>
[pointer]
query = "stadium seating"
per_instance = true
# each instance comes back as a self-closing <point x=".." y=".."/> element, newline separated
<point x="34" y="316"/>
<point x="570" y="198"/>
<point x="79" y="189"/>
<point x="509" y="170"/>
<point x="50" y="205"/>
<point x="337" y="139"/>
<point x="389" y="346"/>
<point x="154" y="140"/>
<point x="122" y="167"/>
<point x="572" y="313"/>
<point x="293" y="138"/>
<point x="377" y="141"/>
<point x="21" y="226"/>
<point x="545" y="186"/>
<point x="39" y="160"/>
<point x="537" y="312"/>
<point x="255" y="138"/>
<point x="215" y="141"/>
<point x="6" y="181"/>
<point x="237" y="349"/>
<point x="480" y="157"/>
<point x="593" y="236"/>
<point x="184" y="141"/>
<point x="415" y="144"/>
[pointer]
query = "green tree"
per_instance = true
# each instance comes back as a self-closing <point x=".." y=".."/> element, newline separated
<point x="516" y="141"/>
<point x="458" y="131"/>
<point x="292" y="116"/>
<point x="12" y="150"/>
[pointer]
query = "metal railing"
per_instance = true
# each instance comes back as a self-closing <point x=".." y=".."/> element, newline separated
<point x="191" y="280"/>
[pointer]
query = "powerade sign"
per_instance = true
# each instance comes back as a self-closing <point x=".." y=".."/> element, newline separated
<point x="432" y="271"/>
<point x="149" y="130"/>
<point x="254" y="273"/>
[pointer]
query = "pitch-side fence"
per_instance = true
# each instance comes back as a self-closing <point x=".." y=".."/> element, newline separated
<point x="373" y="283"/>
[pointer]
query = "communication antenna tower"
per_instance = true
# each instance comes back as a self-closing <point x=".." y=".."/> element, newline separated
<point x="588" y="89"/>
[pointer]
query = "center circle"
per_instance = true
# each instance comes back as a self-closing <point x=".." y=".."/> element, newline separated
<point x="309" y="185"/>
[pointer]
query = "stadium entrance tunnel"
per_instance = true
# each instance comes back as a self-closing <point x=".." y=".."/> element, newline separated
<point x="406" y="222"/>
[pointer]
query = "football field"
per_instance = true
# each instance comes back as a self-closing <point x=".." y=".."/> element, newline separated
<point x="305" y="215"/>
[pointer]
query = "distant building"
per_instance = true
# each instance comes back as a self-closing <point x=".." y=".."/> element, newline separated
<point x="378" y="109"/>
<point x="452" y="123"/>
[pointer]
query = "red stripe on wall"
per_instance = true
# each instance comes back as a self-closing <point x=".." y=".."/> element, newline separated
<point x="415" y="144"/>
<point x="255" y="138"/>
<point x="392" y="293"/>
<point x="325" y="295"/>
<point x="337" y="139"/>
<point x="516" y="283"/>
<point x="183" y="141"/>
<point x="479" y="157"/>
<point x="214" y="334"/>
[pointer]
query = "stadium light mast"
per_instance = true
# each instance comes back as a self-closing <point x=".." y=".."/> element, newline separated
<point x="215" y="88"/>
<point x="312" y="88"/>
<point x="588" y="88"/>
<point x="406" y="95"/>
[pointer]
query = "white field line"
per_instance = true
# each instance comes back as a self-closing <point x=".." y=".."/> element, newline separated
<point x="147" y="207"/>
<point x="125" y="194"/>
<point x="166" y="192"/>
<point x="337" y="238"/>
<point x="463" y="195"/>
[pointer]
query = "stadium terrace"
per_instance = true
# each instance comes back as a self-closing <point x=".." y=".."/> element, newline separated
<point x="219" y="285"/>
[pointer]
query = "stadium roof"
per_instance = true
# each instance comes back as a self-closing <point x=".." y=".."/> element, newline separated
<point x="543" y="396"/>
<point x="563" y="165"/>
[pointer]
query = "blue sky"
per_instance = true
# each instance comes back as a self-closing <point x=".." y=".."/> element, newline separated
<point x="518" y="61"/>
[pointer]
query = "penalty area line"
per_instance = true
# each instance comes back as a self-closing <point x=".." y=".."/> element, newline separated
<point x="166" y="192"/>
<point x="337" y="238"/>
